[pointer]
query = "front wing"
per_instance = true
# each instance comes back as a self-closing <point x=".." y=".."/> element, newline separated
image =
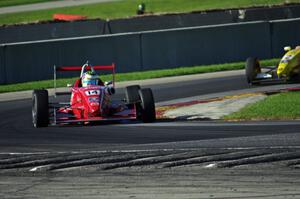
<point x="58" y="118"/>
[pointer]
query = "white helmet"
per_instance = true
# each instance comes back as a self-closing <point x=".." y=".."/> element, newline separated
<point x="89" y="78"/>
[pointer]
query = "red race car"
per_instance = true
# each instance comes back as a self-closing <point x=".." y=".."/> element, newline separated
<point x="91" y="101"/>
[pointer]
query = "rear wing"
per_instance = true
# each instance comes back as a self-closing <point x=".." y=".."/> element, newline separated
<point x="82" y="68"/>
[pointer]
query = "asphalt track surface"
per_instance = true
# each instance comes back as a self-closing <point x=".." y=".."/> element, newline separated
<point x="166" y="159"/>
<point x="18" y="135"/>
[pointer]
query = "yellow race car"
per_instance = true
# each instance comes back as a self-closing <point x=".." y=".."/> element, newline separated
<point x="288" y="69"/>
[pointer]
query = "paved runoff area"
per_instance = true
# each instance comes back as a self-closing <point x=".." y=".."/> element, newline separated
<point x="249" y="172"/>
<point x="182" y="183"/>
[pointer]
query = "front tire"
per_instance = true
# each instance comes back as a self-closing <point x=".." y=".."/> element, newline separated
<point x="252" y="69"/>
<point x="147" y="106"/>
<point x="40" y="109"/>
<point x="132" y="94"/>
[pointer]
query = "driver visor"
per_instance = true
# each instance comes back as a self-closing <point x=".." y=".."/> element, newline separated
<point x="90" y="82"/>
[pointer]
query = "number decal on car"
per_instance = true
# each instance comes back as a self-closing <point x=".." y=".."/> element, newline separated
<point x="286" y="58"/>
<point x="92" y="92"/>
<point x="94" y="99"/>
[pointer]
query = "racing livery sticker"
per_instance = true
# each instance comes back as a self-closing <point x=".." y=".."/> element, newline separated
<point x="92" y="92"/>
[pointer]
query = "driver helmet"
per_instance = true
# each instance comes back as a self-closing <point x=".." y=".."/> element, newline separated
<point x="89" y="78"/>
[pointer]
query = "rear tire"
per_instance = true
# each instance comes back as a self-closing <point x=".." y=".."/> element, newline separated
<point x="147" y="106"/>
<point x="40" y="109"/>
<point x="132" y="94"/>
<point x="252" y="69"/>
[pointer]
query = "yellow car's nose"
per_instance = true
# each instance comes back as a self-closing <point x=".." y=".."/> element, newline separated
<point x="281" y="70"/>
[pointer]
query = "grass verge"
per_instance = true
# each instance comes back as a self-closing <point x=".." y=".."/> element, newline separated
<point x="135" y="75"/>
<point x="6" y="3"/>
<point x="127" y="8"/>
<point x="283" y="106"/>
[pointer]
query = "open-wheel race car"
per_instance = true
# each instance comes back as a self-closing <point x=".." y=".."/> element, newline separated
<point x="288" y="68"/>
<point x="91" y="101"/>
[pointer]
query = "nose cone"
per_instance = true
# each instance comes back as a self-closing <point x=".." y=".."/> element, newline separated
<point x="284" y="64"/>
<point x="282" y="69"/>
<point x="94" y="109"/>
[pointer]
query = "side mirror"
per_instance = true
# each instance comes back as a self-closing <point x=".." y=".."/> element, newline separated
<point x="287" y="48"/>
<point x="69" y="85"/>
<point x="108" y="83"/>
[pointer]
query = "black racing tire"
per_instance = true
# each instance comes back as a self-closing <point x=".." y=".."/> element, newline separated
<point x="40" y="108"/>
<point x="132" y="94"/>
<point x="252" y="69"/>
<point x="147" y="106"/>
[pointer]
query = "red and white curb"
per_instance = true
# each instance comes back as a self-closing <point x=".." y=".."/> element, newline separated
<point x="213" y="108"/>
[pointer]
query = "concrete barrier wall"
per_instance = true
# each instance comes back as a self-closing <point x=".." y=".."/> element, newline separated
<point x="158" y="22"/>
<point x="284" y="33"/>
<point x="34" y="61"/>
<point x="2" y="69"/>
<point x="34" y="32"/>
<point x="53" y="30"/>
<point x="264" y="14"/>
<point x="150" y="50"/>
<point x="205" y="45"/>
<point x="170" y="21"/>
<point x="124" y="50"/>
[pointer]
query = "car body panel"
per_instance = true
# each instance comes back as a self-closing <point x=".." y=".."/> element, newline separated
<point x="288" y="68"/>
<point x="91" y="103"/>
<point x="289" y="65"/>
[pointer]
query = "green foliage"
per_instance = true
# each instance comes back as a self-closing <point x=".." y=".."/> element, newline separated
<point x="127" y="8"/>
<point x="274" y="107"/>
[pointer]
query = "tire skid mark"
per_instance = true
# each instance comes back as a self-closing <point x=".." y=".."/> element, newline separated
<point x="293" y="163"/>
<point x="160" y="159"/>
<point x="260" y="159"/>
<point x="33" y="161"/>
<point x="95" y="161"/>
<point x="4" y="157"/>
<point x="59" y="158"/>
<point x="218" y="157"/>
<point x="25" y="158"/>
<point x="108" y="160"/>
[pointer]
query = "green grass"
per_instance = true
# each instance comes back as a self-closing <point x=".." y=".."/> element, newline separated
<point x="135" y="75"/>
<point x="125" y="8"/>
<point x="284" y="106"/>
<point x="6" y="3"/>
